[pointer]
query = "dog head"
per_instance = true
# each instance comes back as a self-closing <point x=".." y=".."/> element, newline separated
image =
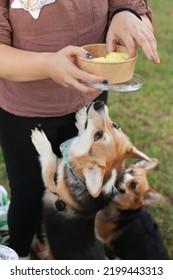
<point x="135" y="191"/>
<point x="98" y="152"/>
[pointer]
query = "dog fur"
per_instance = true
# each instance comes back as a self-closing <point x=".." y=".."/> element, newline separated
<point x="84" y="184"/>
<point x="126" y="226"/>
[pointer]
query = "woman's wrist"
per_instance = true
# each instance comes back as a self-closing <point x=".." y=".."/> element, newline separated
<point x="117" y="11"/>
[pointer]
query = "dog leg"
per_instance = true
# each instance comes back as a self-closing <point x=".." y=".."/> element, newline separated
<point x="80" y="120"/>
<point x="48" y="159"/>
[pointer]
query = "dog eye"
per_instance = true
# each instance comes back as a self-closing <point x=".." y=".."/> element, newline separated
<point x="98" y="135"/>
<point x="115" y="125"/>
<point x="131" y="171"/>
<point x="133" y="185"/>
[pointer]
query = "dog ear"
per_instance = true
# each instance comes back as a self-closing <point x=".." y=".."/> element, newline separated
<point x="152" y="198"/>
<point x="135" y="153"/>
<point x="94" y="179"/>
<point x="148" y="166"/>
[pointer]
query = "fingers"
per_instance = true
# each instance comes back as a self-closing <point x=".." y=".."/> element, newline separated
<point x="81" y="77"/>
<point x="130" y="44"/>
<point x="84" y="88"/>
<point x="67" y="74"/>
<point x="146" y="41"/>
<point x="89" y="78"/>
<point x="128" y="28"/>
<point x="77" y="51"/>
<point x="111" y="41"/>
<point x="78" y="73"/>
<point x="148" y="44"/>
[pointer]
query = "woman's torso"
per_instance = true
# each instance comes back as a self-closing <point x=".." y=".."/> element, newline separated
<point x="59" y="24"/>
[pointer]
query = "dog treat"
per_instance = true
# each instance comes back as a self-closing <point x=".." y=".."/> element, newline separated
<point x="112" y="57"/>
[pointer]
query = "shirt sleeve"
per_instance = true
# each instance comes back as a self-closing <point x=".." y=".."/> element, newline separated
<point x="5" y="27"/>
<point x="140" y="6"/>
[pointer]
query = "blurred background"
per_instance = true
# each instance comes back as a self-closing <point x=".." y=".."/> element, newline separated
<point x="147" y="116"/>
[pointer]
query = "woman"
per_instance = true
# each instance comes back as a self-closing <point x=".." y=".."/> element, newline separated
<point x="41" y="86"/>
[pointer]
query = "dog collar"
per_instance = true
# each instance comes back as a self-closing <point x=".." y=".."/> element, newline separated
<point x="64" y="148"/>
<point x="76" y="178"/>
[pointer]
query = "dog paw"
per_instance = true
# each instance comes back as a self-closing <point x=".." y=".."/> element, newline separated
<point x="40" y="142"/>
<point x="80" y="119"/>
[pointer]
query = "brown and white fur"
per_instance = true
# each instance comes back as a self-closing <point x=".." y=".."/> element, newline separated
<point x="73" y="198"/>
<point x="125" y="226"/>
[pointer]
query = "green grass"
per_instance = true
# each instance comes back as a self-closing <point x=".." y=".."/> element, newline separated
<point x="3" y="176"/>
<point x="147" y="116"/>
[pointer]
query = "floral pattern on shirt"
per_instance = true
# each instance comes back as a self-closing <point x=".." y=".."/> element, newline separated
<point x="32" y="6"/>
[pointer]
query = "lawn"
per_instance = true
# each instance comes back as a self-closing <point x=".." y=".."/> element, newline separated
<point x="147" y="116"/>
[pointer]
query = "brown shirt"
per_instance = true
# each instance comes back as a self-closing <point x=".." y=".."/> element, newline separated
<point x="59" y="24"/>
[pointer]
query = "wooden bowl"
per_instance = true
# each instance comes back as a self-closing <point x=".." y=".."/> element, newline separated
<point x="114" y="72"/>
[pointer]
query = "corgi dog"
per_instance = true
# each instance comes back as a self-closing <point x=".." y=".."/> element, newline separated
<point x="125" y="226"/>
<point x="82" y="182"/>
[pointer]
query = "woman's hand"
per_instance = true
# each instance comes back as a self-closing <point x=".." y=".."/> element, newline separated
<point x="134" y="33"/>
<point x="62" y="69"/>
<point x="24" y="66"/>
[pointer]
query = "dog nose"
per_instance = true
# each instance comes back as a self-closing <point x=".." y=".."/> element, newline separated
<point x="98" y="105"/>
